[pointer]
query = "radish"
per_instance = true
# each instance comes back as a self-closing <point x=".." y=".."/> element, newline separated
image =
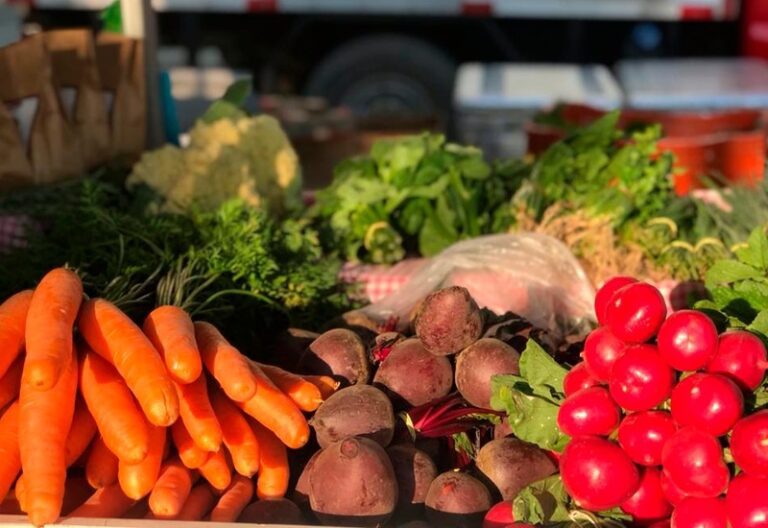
<point x="648" y="504"/>
<point x="590" y="411"/>
<point x="499" y="516"/>
<point x="601" y="350"/>
<point x="700" y="513"/>
<point x="641" y="379"/>
<point x="578" y="378"/>
<point x="597" y="473"/>
<point x="687" y="340"/>
<point x="642" y="436"/>
<point x="693" y="460"/>
<point x="742" y="356"/>
<point x="673" y="494"/>
<point x="635" y="312"/>
<point x="749" y="444"/>
<point x="711" y="402"/>
<point x="660" y="524"/>
<point x="605" y="293"/>
<point x="747" y="502"/>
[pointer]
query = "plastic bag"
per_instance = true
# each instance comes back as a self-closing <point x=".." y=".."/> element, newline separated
<point x="532" y="275"/>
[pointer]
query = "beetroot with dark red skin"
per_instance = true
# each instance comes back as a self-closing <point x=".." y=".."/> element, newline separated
<point x="642" y="435"/>
<point x="415" y="471"/>
<point x="457" y="499"/>
<point x="747" y="502"/>
<point x="749" y="444"/>
<point x="741" y="356"/>
<point x="360" y="410"/>
<point x="408" y="361"/>
<point x="693" y="460"/>
<point x="590" y="411"/>
<point x="635" y="312"/>
<point x="641" y="379"/>
<point x="339" y="353"/>
<point x="601" y="350"/>
<point x="511" y="465"/>
<point x="272" y="511"/>
<point x="301" y="490"/>
<point x="687" y="340"/>
<point x="448" y="321"/>
<point x="606" y="292"/>
<point x="700" y="513"/>
<point x="478" y="363"/>
<point x="710" y="402"/>
<point x="578" y="378"/>
<point x="648" y="504"/>
<point x="502" y="429"/>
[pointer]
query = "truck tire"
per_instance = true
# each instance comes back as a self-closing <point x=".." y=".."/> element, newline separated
<point x="387" y="76"/>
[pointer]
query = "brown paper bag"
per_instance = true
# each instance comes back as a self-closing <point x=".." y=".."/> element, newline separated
<point x="51" y="145"/>
<point x="75" y="74"/>
<point x="121" y="68"/>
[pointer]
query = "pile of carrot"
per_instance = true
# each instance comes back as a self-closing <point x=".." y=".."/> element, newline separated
<point x="102" y="418"/>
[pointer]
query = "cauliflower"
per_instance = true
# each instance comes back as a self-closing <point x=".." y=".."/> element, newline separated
<point x="249" y="158"/>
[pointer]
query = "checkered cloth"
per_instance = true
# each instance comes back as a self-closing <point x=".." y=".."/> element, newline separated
<point x="12" y="231"/>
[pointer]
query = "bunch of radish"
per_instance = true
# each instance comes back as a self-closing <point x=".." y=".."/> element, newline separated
<point x="656" y="412"/>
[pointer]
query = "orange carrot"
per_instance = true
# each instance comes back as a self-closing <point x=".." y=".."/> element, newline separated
<point x="137" y="480"/>
<point x="191" y="456"/>
<point x="81" y="433"/>
<point x="198" y="416"/>
<point x="45" y="418"/>
<point x="171" y="331"/>
<point x="273" y="476"/>
<point x="52" y="313"/>
<point x="228" y="366"/>
<point x="217" y="471"/>
<point x="116" y="338"/>
<point x="171" y="490"/>
<point x="11" y="382"/>
<point x="101" y="466"/>
<point x="304" y="394"/>
<point x="107" y="502"/>
<point x="13" y="320"/>
<point x="120" y="421"/>
<point x="234" y="500"/>
<point x="273" y="409"/>
<point x="10" y="459"/>
<point x="21" y="493"/>
<point x="76" y="492"/>
<point x="199" y="503"/>
<point x="326" y="384"/>
<point x="238" y="435"/>
<point x="138" y="511"/>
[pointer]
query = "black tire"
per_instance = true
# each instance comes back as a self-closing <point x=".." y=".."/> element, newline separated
<point x="387" y="76"/>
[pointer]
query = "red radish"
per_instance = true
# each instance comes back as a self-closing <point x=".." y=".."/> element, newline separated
<point x="590" y="411"/>
<point x="687" y="340"/>
<point x="693" y="460"/>
<point x="597" y="473"/>
<point x="700" y="513"/>
<point x="605" y="293"/>
<point x="742" y="356"/>
<point x="578" y="378"/>
<point x="747" y="502"/>
<point x="673" y="494"/>
<point x="711" y="402"/>
<point x="749" y="444"/>
<point x="648" y="504"/>
<point x="499" y="516"/>
<point x="601" y="350"/>
<point x="660" y="524"/>
<point x="635" y="312"/>
<point x="642" y="435"/>
<point x="641" y="379"/>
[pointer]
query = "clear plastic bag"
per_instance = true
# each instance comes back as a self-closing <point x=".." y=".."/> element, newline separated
<point x="532" y="275"/>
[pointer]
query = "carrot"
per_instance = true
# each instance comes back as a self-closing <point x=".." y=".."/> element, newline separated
<point x="171" y="490"/>
<point x="81" y="433"/>
<point x="304" y="394"/>
<point x="11" y="382"/>
<point x="234" y="500"/>
<point x="198" y="416"/>
<point x="138" y="511"/>
<point x="137" y="480"/>
<point x="120" y="421"/>
<point x="101" y="466"/>
<point x="217" y="471"/>
<point x="107" y="502"/>
<point x="21" y="493"/>
<point x="48" y="333"/>
<point x="272" y="481"/>
<point x="13" y="320"/>
<point x="191" y="456"/>
<point x="45" y="417"/>
<point x="10" y="459"/>
<point x="225" y="363"/>
<point x="116" y="338"/>
<point x="199" y="503"/>
<point x="326" y="384"/>
<point x="238" y="435"/>
<point x="76" y="492"/>
<point x="273" y="409"/>
<point x="171" y="331"/>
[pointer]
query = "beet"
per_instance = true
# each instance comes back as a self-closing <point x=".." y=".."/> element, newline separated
<point x="476" y="364"/>
<point x="415" y="471"/>
<point x="412" y="376"/>
<point x="502" y="430"/>
<point x="301" y="490"/>
<point x="448" y="321"/>
<point x="272" y="511"/>
<point x="457" y="500"/>
<point x="352" y="483"/>
<point x="339" y="353"/>
<point x="360" y="410"/>
<point x="511" y="465"/>
<point x="288" y="347"/>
